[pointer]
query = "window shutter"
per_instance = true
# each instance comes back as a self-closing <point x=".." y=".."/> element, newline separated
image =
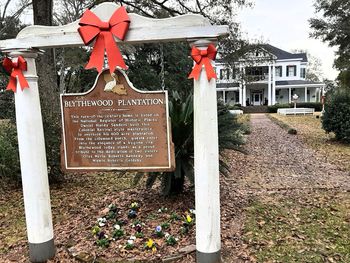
<point x="281" y="71"/>
<point x="295" y="71"/>
<point x="287" y="71"/>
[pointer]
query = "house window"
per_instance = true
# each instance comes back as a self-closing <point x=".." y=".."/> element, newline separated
<point x="224" y="73"/>
<point x="278" y="72"/>
<point x="291" y="71"/>
<point x="303" y="73"/>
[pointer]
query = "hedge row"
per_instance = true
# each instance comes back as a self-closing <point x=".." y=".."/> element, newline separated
<point x="316" y="105"/>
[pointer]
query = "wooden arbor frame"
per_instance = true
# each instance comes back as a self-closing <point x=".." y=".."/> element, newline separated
<point x="192" y="28"/>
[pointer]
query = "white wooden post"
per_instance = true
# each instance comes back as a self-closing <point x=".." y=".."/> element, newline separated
<point x="32" y="155"/>
<point x="206" y="167"/>
<point x="269" y="97"/>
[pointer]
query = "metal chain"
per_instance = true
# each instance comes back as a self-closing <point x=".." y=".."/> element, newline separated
<point x="162" y="72"/>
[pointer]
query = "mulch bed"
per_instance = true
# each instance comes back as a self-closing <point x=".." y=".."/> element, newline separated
<point x="78" y="203"/>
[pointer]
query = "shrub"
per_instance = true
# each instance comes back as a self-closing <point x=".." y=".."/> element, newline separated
<point x="181" y="113"/>
<point x="9" y="158"/>
<point x="292" y="131"/>
<point x="316" y="105"/>
<point x="336" y="117"/>
<point x="274" y="108"/>
<point x="7" y="105"/>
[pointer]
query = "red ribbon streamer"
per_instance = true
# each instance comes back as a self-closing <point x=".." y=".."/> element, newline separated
<point x="16" y="70"/>
<point x="91" y="27"/>
<point x="203" y="57"/>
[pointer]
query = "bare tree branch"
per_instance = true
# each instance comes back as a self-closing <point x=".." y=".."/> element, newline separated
<point x="5" y="8"/>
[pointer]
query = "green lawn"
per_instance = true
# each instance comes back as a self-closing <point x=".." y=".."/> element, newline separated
<point x="312" y="227"/>
<point x="309" y="129"/>
<point x="302" y="226"/>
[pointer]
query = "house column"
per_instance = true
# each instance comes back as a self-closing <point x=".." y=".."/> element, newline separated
<point x="31" y="144"/>
<point x="290" y="95"/>
<point x="206" y="166"/>
<point x="269" y="97"/>
<point x="240" y="89"/>
<point x="244" y="91"/>
<point x="273" y="83"/>
<point x="240" y="94"/>
<point x="305" y="100"/>
<point x="319" y="94"/>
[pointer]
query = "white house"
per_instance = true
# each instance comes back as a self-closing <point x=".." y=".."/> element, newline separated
<point x="267" y="76"/>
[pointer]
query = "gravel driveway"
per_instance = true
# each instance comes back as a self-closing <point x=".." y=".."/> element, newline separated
<point x="278" y="160"/>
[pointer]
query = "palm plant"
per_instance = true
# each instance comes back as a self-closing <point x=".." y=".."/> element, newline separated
<point x="181" y="113"/>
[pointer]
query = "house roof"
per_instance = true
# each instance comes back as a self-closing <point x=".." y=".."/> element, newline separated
<point x="281" y="54"/>
<point x="296" y="82"/>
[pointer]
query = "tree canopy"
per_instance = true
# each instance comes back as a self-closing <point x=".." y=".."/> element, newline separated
<point x="334" y="28"/>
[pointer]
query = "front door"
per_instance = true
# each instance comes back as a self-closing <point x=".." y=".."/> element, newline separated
<point x="256" y="99"/>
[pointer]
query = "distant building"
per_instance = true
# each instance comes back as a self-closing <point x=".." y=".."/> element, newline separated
<point x="266" y="77"/>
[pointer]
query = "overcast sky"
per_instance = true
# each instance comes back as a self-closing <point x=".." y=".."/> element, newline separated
<point x="284" y="24"/>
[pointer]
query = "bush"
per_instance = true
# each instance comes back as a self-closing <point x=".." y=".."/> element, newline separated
<point x="7" y="105"/>
<point x="181" y="113"/>
<point x="336" y="117"/>
<point x="292" y="131"/>
<point x="274" y="108"/>
<point x="9" y="157"/>
<point x="316" y="105"/>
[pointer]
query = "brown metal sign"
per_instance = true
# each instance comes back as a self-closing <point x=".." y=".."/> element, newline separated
<point x="116" y="127"/>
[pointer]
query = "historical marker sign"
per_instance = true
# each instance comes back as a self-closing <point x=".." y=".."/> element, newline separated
<point x="116" y="127"/>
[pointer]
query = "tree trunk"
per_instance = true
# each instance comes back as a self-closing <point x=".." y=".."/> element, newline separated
<point x="49" y="94"/>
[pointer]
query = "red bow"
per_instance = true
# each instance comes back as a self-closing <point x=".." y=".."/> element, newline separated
<point x="203" y="57"/>
<point x="16" y="70"/>
<point x="92" y="27"/>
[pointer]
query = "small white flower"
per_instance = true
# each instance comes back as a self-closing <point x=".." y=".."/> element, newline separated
<point x="192" y="211"/>
<point x="117" y="227"/>
<point x="106" y="236"/>
<point x="167" y="235"/>
<point x="120" y="246"/>
<point x="176" y="239"/>
<point x="132" y="237"/>
<point x="130" y="242"/>
<point x="159" y="210"/>
<point x="101" y="221"/>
